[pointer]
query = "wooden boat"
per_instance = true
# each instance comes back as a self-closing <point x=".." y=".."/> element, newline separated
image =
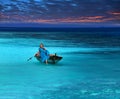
<point x="52" y="59"/>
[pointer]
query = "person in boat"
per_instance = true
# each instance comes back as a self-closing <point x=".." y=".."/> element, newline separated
<point x="43" y="53"/>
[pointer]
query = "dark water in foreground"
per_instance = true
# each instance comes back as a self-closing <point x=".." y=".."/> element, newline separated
<point x="90" y="67"/>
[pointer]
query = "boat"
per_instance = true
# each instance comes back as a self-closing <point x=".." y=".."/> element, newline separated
<point x="52" y="59"/>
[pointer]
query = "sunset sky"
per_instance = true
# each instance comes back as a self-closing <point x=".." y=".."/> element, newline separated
<point x="57" y="12"/>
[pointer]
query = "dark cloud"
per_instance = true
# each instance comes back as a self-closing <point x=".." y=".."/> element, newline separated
<point x="23" y="10"/>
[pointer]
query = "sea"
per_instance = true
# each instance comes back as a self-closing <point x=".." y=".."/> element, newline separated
<point x="90" y="68"/>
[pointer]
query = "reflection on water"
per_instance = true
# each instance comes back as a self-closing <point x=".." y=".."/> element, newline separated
<point x="89" y="69"/>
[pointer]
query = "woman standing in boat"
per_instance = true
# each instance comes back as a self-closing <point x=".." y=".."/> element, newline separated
<point x="43" y="53"/>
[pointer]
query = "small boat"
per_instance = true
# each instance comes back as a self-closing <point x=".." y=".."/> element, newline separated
<point x="52" y="59"/>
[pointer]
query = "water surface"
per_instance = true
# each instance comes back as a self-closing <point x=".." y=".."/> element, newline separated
<point x="90" y="67"/>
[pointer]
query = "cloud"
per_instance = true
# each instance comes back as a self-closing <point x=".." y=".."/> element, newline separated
<point x="115" y="13"/>
<point x="82" y="19"/>
<point x="64" y="11"/>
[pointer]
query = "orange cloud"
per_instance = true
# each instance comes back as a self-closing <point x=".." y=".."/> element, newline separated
<point x="69" y="20"/>
<point x="87" y="19"/>
<point x="114" y="13"/>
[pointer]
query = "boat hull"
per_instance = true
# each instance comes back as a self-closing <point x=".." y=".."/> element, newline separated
<point x="51" y="60"/>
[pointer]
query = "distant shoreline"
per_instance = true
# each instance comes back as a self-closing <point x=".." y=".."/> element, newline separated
<point x="47" y="29"/>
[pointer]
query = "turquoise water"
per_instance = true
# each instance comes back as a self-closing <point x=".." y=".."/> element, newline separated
<point x="90" y="67"/>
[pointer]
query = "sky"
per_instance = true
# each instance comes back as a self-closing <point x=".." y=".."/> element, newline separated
<point x="60" y="12"/>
